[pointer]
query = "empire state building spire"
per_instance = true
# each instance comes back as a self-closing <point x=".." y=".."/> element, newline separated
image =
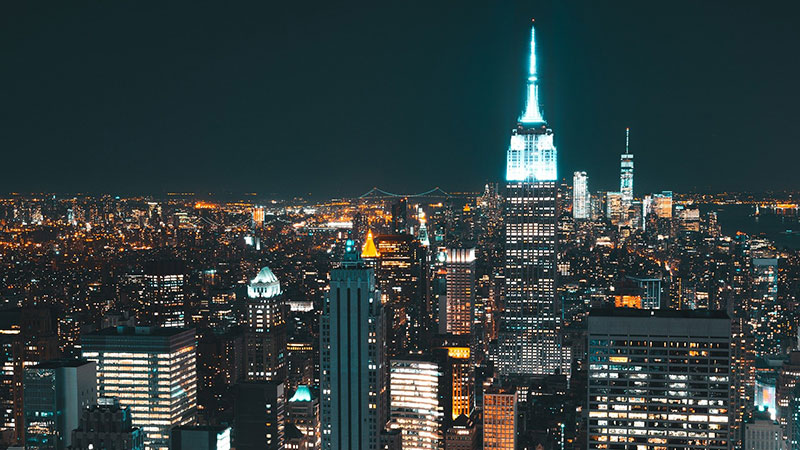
<point x="533" y="112"/>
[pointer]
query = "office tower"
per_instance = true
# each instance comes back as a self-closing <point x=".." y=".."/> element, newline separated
<point x="265" y="338"/>
<point x="626" y="173"/>
<point x="258" y="215"/>
<point x="662" y="204"/>
<point x="627" y="294"/>
<point x="615" y="208"/>
<point x="56" y="392"/>
<point x="742" y="375"/>
<point x="653" y="374"/>
<point x="400" y="216"/>
<point x="766" y="314"/>
<point x="352" y="372"/>
<point x="788" y="377"/>
<point x="163" y="301"/>
<point x="457" y="390"/>
<point x="401" y="276"/>
<point x="166" y="358"/>
<point x="422" y="234"/>
<point x="200" y="438"/>
<point x="415" y="410"/>
<point x="302" y="412"/>
<point x="457" y="316"/>
<point x="763" y="433"/>
<point x="581" y="198"/>
<point x="27" y="336"/>
<point x="651" y="291"/>
<point x="499" y="419"/>
<point x="107" y="425"/>
<point x="259" y="415"/>
<point x="529" y="339"/>
<point x="793" y="422"/>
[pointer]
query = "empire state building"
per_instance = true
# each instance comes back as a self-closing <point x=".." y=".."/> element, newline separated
<point x="529" y="342"/>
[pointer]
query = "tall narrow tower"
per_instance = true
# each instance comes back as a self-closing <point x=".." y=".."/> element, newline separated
<point x="352" y="371"/>
<point x="529" y="341"/>
<point x="626" y="173"/>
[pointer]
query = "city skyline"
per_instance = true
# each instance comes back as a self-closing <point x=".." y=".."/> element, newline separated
<point x="221" y="91"/>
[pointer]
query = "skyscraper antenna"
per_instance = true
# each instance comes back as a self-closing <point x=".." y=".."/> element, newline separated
<point x="627" y="140"/>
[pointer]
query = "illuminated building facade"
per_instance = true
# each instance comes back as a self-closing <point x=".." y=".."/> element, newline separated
<point x="457" y="392"/>
<point x="763" y="433"/>
<point x="766" y="314"/>
<point x="788" y="378"/>
<point x="56" y="392"/>
<point x="626" y="173"/>
<point x="352" y="370"/>
<point x="164" y="296"/>
<point x="462" y="435"/>
<point x="659" y="379"/>
<point x="499" y="419"/>
<point x="265" y="338"/>
<point x="302" y="412"/>
<point x="529" y="340"/>
<point x="415" y="408"/>
<point x="661" y="204"/>
<point x="460" y="291"/>
<point x="615" y="208"/>
<point x="151" y="370"/>
<point x="581" y="198"/>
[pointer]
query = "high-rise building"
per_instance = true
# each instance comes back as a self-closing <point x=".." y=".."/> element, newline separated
<point x="151" y="370"/>
<point x="164" y="299"/>
<point x="462" y="435"/>
<point x="766" y="315"/>
<point x="662" y="205"/>
<point x="763" y="433"/>
<point x="56" y="392"/>
<point x="529" y="340"/>
<point x="107" y="425"/>
<point x="499" y="419"/>
<point x="401" y="276"/>
<point x="302" y="412"/>
<point x="265" y="337"/>
<point x="659" y="379"/>
<point x="415" y="408"/>
<point x="457" y="315"/>
<point x="581" y="197"/>
<point x="787" y="382"/>
<point x="626" y="173"/>
<point x="651" y="291"/>
<point x="400" y="216"/>
<point x="259" y="415"/>
<point x="457" y="390"/>
<point x="352" y="372"/>
<point x="615" y="207"/>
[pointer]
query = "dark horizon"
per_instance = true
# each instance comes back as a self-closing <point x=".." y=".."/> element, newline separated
<point x="115" y="98"/>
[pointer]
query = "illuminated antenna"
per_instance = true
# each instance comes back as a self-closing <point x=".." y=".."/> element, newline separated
<point x="627" y="140"/>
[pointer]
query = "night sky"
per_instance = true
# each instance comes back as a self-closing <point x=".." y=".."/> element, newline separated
<point x="334" y="98"/>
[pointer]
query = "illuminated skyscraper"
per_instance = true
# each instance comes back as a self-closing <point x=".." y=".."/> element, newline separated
<point x="581" y="199"/>
<point x="352" y="371"/>
<point x="662" y="205"/>
<point x="529" y="339"/>
<point x="499" y="419"/>
<point x="164" y="296"/>
<point x="415" y="407"/>
<point x="659" y="379"/>
<point x="151" y="370"/>
<point x="626" y="173"/>
<point x="615" y="207"/>
<point x="460" y="294"/>
<point x="265" y="338"/>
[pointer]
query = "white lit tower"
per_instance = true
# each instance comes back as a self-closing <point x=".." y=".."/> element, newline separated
<point x="581" y="201"/>
<point x="626" y="174"/>
<point x="529" y="340"/>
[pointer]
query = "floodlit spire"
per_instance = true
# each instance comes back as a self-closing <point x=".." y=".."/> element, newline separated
<point x="627" y="140"/>
<point x="533" y="112"/>
<point x="369" y="250"/>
